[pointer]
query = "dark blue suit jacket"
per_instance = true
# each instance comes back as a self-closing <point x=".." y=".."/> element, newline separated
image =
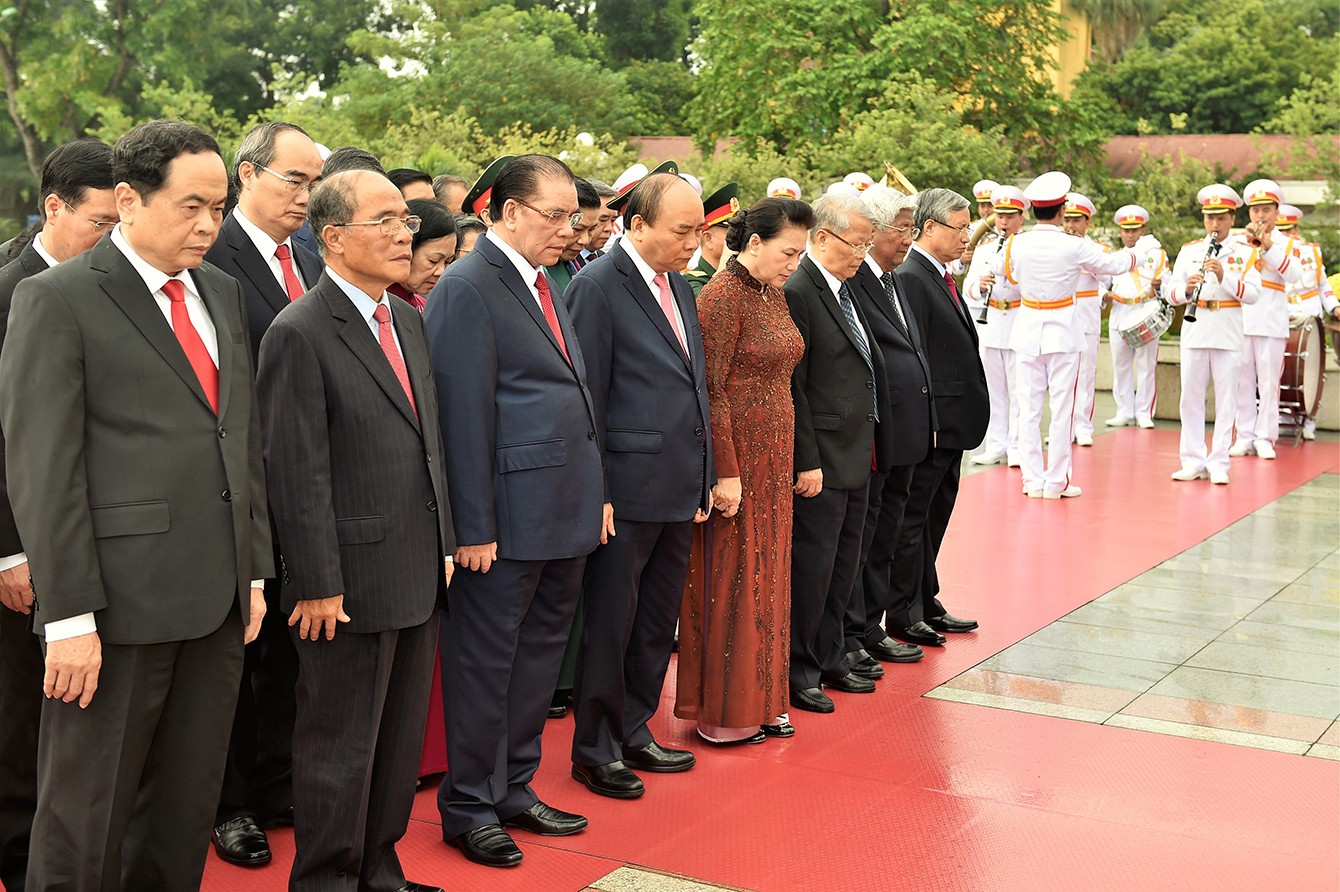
<point x="650" y="398"/>
<point x="523" y="465"/>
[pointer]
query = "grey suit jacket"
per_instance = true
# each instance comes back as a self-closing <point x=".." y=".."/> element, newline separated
<point x="133" y="499"/>
<point x="357" y="480"/>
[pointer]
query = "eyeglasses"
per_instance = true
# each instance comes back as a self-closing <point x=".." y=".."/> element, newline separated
<point x="98" y="225"/>
<point x="293" y="185"/>
<point x="859" y="250"/>
<point x="389" y="225"/>
<point x="555" y="218"/>
<point x="958" y="229"/>
<point x="901" y="230"/>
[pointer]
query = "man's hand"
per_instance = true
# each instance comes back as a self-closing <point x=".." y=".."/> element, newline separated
<point x="809" y="483"/>
<point x="477" y="557"/>
<point x="700" y="516"/>
<point x="257" y="614"/>
<point x="984" y="284"/>
<point x="72" y="669"/>
<point x="727" y="495"/>
<point x="449" y="568"/>
<point x="1213" y="266"/>
<point x="1191" y="282"/>
<point x="316" y="614"/>
<point x="607" y="524"/>
<point x="16" y="590"/>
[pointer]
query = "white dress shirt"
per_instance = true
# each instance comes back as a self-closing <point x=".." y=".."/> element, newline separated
<point x="648" y="274"/>
<point x="366" y="306"/>
<point x="266" y="246"/>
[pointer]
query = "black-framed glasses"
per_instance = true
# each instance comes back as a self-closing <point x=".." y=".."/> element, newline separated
<point x="293" y="185"/>
<point x="555" y="218"/>
<point x="958" y="229"/>
<point x="390" y="225"/>
<point x="860" y="250"/>
<point x="99" y="226"/>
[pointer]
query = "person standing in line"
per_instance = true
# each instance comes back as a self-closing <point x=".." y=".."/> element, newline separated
<point x="1079" y="210"/>
<point x="1133" y="369"/>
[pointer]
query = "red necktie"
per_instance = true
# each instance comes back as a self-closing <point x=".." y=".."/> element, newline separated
<point x="387" y="339"/>
<point x="547" y="307"/>
<point x="953" y="289"/>
<point x="191" y="344"/>
<point x="292" y="284"/>
<point x="668" y="307"/>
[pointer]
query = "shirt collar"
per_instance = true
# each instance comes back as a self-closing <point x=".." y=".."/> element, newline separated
<point x="834" y="284"/>
<point x="871" y="262"/>
<point x="647" y="273"/>
<point x="264" y="244"/>
<point x="154" y="278"/>
<point x="42" y="251"/>
<point x="939" y="267"/>
<point x="365" y="305"/>
<point x="528" y="273"/>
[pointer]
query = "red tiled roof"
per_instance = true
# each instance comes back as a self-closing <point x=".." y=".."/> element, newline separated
<point x="1240" y="154"/>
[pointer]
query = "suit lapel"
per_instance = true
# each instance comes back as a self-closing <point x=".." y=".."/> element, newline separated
<point x="955" y="305"/>
<point x="875" y="288"/>
<point x="217" y="304"/>
<point x="509" y="276"/>
<point x="650" y="304"/>
<point x="359" y="338"/>
<point x="253" y="265"/>
<point x="829" y="300"/>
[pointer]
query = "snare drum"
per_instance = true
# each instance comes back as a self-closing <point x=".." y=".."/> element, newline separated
<point x="1304" y="373"/>
<point x="1146" y="324"/>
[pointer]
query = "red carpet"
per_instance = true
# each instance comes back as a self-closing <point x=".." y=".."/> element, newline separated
<point x="898" y="791"/>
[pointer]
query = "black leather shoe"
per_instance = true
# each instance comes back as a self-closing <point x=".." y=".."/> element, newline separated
<point x="864" y="665"/>
<point x="558" y="706"/>
<point x="949" y="623"/>
<point x="654" y="757"/>
<point x="785" y="729"/>
<point x="242" y="841"/>
<point x="419" y="887"/>
<point x="891" y="651"/>
<point x="811" y="700"/>
<point x="556" y="712"/>
<point x="613" y="779"/>
<point x="547" y="821"/>
<point x="851" y="683"/>
<point x="920" y="633"/>
<point x="489" y="845"/>
<point x="757" y="737"/>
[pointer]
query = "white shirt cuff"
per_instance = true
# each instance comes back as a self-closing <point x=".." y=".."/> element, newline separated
<point x="258" y="583"/>
<point x="14" y="560"/>
<point x="449" y="559"/>
<point x="70" y="628"/>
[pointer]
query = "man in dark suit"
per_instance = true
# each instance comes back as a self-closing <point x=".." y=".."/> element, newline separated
<point x="958" y="383"/>
<point x="912" y="417"/>
<point x="841" y="400"/>
<point x="635" y="317"/>
<point x="527" y="495"/>
<point x="353" y="457"/>
<point x="274" y="170"/>
<point x="135" y="472"/>
<point x="78" y="208"/>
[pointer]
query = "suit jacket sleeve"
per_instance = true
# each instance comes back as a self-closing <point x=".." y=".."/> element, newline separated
<point x="10" y="543"/>
<point x="42" y="410"/>
<point x="593" y="322"/>
<point x="291" y="394"/>
<point x="807" y="447"/>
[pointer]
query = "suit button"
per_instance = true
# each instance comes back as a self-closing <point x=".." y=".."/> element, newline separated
<point x="432" y="504"/>
<point x="697" y="432"/>
<point x="870" y="385"/>
<point x="227" y="495"/>
<point x="429" y="456"/>
<point x="870" y="417"/>
<point x="222" y="433"/>
<point x="923" y="389"/>
<point x="697" y="390"/>
<point x="590" y="435"/>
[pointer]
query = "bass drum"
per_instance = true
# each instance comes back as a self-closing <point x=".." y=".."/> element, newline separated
<point x="1304" y="373"/>
<point x="1146" y="325"/>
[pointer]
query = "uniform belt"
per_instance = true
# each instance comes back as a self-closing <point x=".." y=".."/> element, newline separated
<point x="1049" y="304"/>
<point x="1218" y="304"/>
<point x="1306" y="295"/>
<point x="1273" y="286"/>
<point x="1131" y="300"/>
<point x="1083" y="294"/>
<point x="1003" y="304"/>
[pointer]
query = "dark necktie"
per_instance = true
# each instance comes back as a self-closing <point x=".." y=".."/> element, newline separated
<point x="191" y="343"/>
<point x="862" y="342"/>
<point x="550" y="316"/>
<point x="887" y="281"/>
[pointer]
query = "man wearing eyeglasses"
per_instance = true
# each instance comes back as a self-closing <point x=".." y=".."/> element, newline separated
<point x="358" y="494"/>
<point x="528" y="497"/>
<point x="273" y="171"/>
<point x="78" y="208"/>
<point x="841" y="393"/>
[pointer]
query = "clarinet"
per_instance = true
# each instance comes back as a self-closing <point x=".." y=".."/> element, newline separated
<point x="986" y="300"/>
<point x="1190" y="314"/>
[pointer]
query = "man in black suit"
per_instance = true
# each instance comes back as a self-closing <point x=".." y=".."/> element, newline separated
<point x="912" y="417"/>
<point x="78" y="208"/>
<point x="527" y="495"/>
<point x="635" y="317"/>
<point x="841" y="399"/>
<point x="958" y="383"/>
<point x="135" y="472"/>
<point x="354" y="462"/>
<point x="274" y="170"/>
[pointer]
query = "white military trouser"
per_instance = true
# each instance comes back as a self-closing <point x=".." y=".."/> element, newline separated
<point x="1133" y="378"/>
<point x="1002" y="431"/>
<point x="1056" y="374"/>
<point x="1199" y="364"/>
<point x="1088" y="380"/>
<point x="1262" y="365"/>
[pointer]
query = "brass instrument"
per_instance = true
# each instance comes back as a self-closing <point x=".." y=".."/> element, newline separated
<point x="1213" y="251"/>
<point x="988" y="224"/>
<point x="894" y="179"/>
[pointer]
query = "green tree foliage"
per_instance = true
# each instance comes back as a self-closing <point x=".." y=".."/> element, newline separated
<point x="644" y="29"/>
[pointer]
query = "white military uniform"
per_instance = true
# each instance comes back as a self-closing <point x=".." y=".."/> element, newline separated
<point x="1002" y="431"/>
<point x="1089" y="312"/>
<point x="1047" y="338"/>
<point x="1212" y="346"/>
<point x="1307" y="295"/>
<point x="1133" y="369"/>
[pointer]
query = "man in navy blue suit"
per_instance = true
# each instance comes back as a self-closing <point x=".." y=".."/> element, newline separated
<point x="527" y="497"/>
<point x="638" y="325"/>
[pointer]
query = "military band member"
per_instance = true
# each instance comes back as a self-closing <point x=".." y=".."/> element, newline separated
<point x="1312" y="294"/>
<point x="1001" y="301"/>
<point x="1265" y="325"/>
<point x="717" y="210"/>
<point x="1219" y="272"/>
<point x="1089" y="310"/>
<point x="984" y="193"/>
<point x="783" y="187"/>
<point x="1133" y="369"/>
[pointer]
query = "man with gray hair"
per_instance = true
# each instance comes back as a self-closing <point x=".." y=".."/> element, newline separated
<point x="911" y="416"/>
<point x="949" y="335"/>
<point x="841" y="397"/>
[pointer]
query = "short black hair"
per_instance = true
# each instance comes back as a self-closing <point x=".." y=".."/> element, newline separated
<point x="767" y="219"/>
<point x="258" y="146"/>
<point x="141" y="157"/>
<point x="587" y="196"/>
<point x="645" y="199"/>
<point x="74" y="168"/>
<point x="519" y="180"/>
<point x="350" y="158"/>
<point x="435" y="221"/>
<point x="1047" y="211"/>
<point x="401" y="177"/>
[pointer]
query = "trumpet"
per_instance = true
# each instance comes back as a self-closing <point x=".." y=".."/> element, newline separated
<point x="1213" y="251"/>
<point x="1254" y="231"/>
